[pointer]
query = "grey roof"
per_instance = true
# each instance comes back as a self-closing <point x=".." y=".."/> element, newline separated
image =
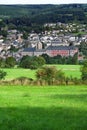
<point x="61" y="48"/>
<point x="30" y="49"/>
<point x="40" y="50"/>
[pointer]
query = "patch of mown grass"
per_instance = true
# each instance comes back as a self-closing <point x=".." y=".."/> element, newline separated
<point x="43" y="108"/>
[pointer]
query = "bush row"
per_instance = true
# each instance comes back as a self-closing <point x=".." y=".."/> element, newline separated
<point x="23" y="81"/>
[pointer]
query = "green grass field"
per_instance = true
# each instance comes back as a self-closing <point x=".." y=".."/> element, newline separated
<point x="19" y="72"/>
<point x="43" y="108"/>
<point x="70" y="70"/>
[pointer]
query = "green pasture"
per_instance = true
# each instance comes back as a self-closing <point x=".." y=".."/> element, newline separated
<point x="43" y="108"/>
<point x="70" y="70"/>
<point x="19" y="72"/>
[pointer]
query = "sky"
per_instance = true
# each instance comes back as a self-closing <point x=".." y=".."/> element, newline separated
<point x="41" y="1"/>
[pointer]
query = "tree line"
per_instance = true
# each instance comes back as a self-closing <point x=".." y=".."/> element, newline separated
<point x="34" y="62"/>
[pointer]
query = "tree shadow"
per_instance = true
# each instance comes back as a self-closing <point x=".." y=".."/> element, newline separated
<point x="76" y="97"/>
<point x="37" y="118"/>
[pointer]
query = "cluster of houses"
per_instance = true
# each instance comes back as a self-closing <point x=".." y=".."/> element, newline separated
<point x="53" y="42"/>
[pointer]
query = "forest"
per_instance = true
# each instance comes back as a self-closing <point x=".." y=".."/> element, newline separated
<point x="32" y="15"/>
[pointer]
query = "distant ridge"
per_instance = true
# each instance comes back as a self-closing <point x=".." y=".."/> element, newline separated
<point x="45" y="12"/>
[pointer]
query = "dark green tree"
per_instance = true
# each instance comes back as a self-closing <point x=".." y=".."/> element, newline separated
<point x="25" y="62"/>
<point x="40" y="60"/>
<point x="10" y="62"/>
<point x="50" y="74"/>
<point x="25" y="35"/>
<point x="32" y="62"/>
<point x="84" y="71"/>
<point x="75" y="59"/>
<point x="2" y="63"/>
<point x="3" y="33"/>
<point x="46" y="57"/>
<point x="83" y="48"/>
<point x="2" y="74"/>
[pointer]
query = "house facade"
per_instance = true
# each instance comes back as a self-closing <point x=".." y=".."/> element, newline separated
<point x="61" y="50"/>
<point x="52" y="51"/>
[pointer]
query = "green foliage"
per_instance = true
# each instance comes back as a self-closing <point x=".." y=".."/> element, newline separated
<point x="2" y="63"/>
<point x="2" y="74"/>
<point x="11" y="26"/>
<point x="10" y="62"/>
<point x="32" y="17"/>
<point x="60" y="75"/>
<point x="2" y="24"/>
<point x="84" y="71"/>
<point x="83" y="48"/>
<point x="41" y="61"/>
<point x="25" y="35"/>
<point x="49" y="74"/>
<point x="32" y="62"/>
<point x="3" y="33"/>
<point x="75" y="59"/>
<point x="61" y="60"/>
<point x="13" y="49"/>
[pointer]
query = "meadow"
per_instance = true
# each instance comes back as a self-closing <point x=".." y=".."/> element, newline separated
<point x="70" y="71"/>
<point x="43" y="108"/>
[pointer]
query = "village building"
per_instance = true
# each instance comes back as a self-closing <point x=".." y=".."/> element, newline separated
<point x="52" y="51"/>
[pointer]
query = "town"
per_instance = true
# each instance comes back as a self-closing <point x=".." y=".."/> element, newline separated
<point x="43" y="65"/>
<point x="57" y="39"/>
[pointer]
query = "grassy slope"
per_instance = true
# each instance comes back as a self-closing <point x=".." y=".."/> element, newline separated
<point x="70" y="70"/>
<point x="48" y="108"/>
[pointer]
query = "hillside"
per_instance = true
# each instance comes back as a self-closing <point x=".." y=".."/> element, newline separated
<point x="40" y="14"/>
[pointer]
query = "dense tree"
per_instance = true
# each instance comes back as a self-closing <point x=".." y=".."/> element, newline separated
<point x="75" y="59"/>
<point x="2" y="24"/>
<point x="46" y="73"/>
<point x="2" y="74"/>
<point x="50" y="74"/>
<point x="46" y="57"/>
<point x="10" y="62"/>
<point x="3" y="33"/>
<point x="25" y="35"/>
<point x="32" y="62"/>
<point x="32" y="17"/>
<point x="61" y="60"/>
<point x="2" y="63"/>
<point x="83" y="48"/>
<point x="11" y="26"/>
<point x="84" y="71"/>
<point x="25" y="62"/>
<point x="41" y="61"/>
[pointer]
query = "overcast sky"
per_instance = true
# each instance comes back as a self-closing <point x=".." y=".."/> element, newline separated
<point x="41" y="1"/>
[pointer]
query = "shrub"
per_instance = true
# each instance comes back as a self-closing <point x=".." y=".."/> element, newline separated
<point x="2" y="74"/>
<point x="50" y="74"/>
<point x="84" y="71"/>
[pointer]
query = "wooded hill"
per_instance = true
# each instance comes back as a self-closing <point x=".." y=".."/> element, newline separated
<point x="40" y="14"/>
